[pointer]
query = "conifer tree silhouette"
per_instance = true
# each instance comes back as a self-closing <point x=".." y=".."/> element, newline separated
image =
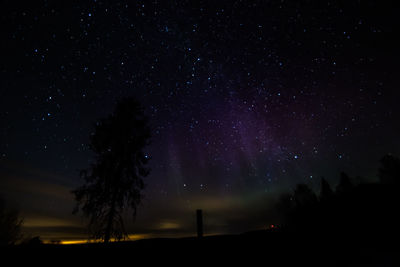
<point x="389" y="172"/>
<point x="114" y="182"/>
<point x="345" y="185"/>
<point x="326" y="190"/>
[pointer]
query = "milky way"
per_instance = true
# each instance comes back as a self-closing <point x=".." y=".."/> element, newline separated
<point x="245" y="99"/>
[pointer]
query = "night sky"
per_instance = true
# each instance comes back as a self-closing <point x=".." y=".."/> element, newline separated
<point x="245" y="100"/>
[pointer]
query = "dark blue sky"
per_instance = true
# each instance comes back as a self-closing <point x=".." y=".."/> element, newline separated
<point x="245" y="99"/>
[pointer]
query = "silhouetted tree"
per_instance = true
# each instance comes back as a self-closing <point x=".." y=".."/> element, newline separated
<point x="304" y="196"/>
<point x="326" y="191"/>
<point x="296" y="209"/>
<point x="285" y="206"/>
<point x="114" y="182"/>
<point x="345" y="185"/>
<point x="34" y="241"/>
<point x="10" y="225"/>
<point x="389" y="172"/>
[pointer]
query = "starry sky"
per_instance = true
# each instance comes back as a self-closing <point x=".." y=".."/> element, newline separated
<point x="245" y="100"/>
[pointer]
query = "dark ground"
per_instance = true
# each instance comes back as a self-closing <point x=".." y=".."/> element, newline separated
<point x="357" y="226"/>
<point x="261" y="248"/>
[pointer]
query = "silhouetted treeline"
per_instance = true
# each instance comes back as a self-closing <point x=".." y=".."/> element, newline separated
<point x="363" y="212"/>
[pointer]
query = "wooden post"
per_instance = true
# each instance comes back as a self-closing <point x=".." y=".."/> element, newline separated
<point x="199" y="216"/>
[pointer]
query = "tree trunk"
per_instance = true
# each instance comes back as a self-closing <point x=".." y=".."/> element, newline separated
<point x="111" y="214"/>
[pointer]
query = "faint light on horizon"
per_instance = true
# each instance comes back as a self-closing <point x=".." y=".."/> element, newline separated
<point x="132" y="237"/>
<point x="169" y="225"/>
<point x="74" y="242"/>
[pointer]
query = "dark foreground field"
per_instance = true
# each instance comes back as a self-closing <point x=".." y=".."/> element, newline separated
<point x="354" y="227"/>
<point x="259" y="248"/>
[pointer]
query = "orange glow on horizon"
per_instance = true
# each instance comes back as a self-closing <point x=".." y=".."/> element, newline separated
<point x="132" y="237"/>
<point x="73" y="242"/>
